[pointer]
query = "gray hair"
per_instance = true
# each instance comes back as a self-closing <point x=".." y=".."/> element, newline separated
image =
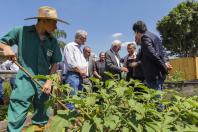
<point x="132" y="43"/>
<point x="116" y="43"/>
<point x="81" y="32"/>
<point x="86" y="47"/>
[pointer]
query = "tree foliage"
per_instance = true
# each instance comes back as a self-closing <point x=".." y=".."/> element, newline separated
<point x="179" y="29"/>
<point x="60" y="34"/>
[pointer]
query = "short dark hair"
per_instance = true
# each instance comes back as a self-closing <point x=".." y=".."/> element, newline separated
<point x="131" y="44"/>
<point x="140" y="27"/>
<point x="101" y="53"/>
<point x="86" y="47"/>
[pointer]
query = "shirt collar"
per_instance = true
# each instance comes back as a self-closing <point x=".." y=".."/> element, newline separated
<point x="76" y="44"/>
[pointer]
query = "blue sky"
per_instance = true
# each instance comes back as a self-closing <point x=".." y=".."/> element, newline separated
<point x="100" y="18"/>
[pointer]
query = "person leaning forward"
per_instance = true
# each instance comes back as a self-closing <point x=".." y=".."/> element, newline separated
<point x="38" y="53"/>
<point x="154" y="59"/>
<point x="113" y="63"/>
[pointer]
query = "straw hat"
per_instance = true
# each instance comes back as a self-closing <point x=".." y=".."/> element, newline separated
<point x="46" y="12"/>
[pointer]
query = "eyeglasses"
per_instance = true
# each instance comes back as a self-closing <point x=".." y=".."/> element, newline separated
<point x="83" y="38"/>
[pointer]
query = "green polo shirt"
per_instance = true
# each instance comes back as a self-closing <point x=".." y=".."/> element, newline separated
<point x="34" y="55"/>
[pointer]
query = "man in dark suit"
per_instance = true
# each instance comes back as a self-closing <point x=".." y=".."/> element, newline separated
<point x="154" y="58"/>
<point x="113" y="64"/>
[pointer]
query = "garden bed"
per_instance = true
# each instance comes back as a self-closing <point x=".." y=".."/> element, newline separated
<point x="186" y="88"/>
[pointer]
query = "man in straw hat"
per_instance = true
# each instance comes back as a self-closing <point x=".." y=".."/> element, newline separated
<point x="38" y="53"/>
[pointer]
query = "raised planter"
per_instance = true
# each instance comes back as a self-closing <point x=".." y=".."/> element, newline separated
<point x="186" y="88"/>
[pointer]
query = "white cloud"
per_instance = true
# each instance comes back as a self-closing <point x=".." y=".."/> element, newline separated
<point x="124" y="44"/>
<point x="116" y="35"/>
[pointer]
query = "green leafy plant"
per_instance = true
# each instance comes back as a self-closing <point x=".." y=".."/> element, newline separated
<point x="3" y="112"/>
<point x="177" y="76"/>
<point x="6" y="97"/>
<point x="118" y="105"/>
<point x="6" y="91"/>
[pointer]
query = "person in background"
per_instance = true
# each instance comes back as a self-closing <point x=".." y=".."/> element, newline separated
<point x="1" y="85"/>
<point x="100" y="67"/>
<point x="155" y="62"/>
<point x="61" y="71"/>
<point x="113" y="63"/>
<point x="39" y="53"/>
<point x="87" y="54"/>
<point x="128" y="61"/>
<point x="9" y="65"/>
<point x="90" y="62"/>
<point x="75" y="62"/>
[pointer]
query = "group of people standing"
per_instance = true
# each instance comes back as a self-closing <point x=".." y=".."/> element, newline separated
<point x="7" y="66"/>
<point x="38" y="53"/>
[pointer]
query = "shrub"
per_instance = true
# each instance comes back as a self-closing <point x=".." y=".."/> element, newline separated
<point x="124" y="106"/>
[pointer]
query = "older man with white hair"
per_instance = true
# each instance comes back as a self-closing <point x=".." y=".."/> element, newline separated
<point x="113" y="59"/>
<point x="76" y="65"/>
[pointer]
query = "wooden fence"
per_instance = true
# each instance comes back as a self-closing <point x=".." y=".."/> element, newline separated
<point x="188" y="67"/>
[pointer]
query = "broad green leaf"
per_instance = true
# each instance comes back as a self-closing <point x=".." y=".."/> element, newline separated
<point x="87" y="88"/>
<point x="58" y="124"/>
<point x="190" y="128"/>
<point x="193" y="102"/>
<point x="131" y="102"/>
<point x="110" y="84"/>
<point x="139" y="116"/>
<point x="153" y="125"/>
<point x="86" y="126"/>
<point x="95" y="80"/>
<point x="111" y="121"/>
<point x="125" y="129"/>
<point x="90" y="100"/>
<point x="120" y="90"/>
<point x="98" y="122"/>
<point x="169" y="118"/>
<point x="149" y="128"/>
<point x="195" y="114"/>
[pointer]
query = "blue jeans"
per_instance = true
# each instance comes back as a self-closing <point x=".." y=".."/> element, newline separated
<point x="12" y="82"/>
<point x="1" y="92"/>
<point x="157" y="85"/>
<point x="75" y="81"/>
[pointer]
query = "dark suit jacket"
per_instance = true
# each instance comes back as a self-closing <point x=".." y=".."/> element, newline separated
<point x="111" y="63"/>
<point x="153" y="56"/>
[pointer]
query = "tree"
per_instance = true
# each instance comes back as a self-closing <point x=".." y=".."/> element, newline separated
<point x="60" y="34"/>
<point x="179" y="29"/>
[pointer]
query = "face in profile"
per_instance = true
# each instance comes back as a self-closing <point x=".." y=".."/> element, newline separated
<point x="87" y="52"/>
<point x="131" y="49"/>
<point x="138" y="38"/>
<point x="82" y="39"/>
<point x="50" y="25"/>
